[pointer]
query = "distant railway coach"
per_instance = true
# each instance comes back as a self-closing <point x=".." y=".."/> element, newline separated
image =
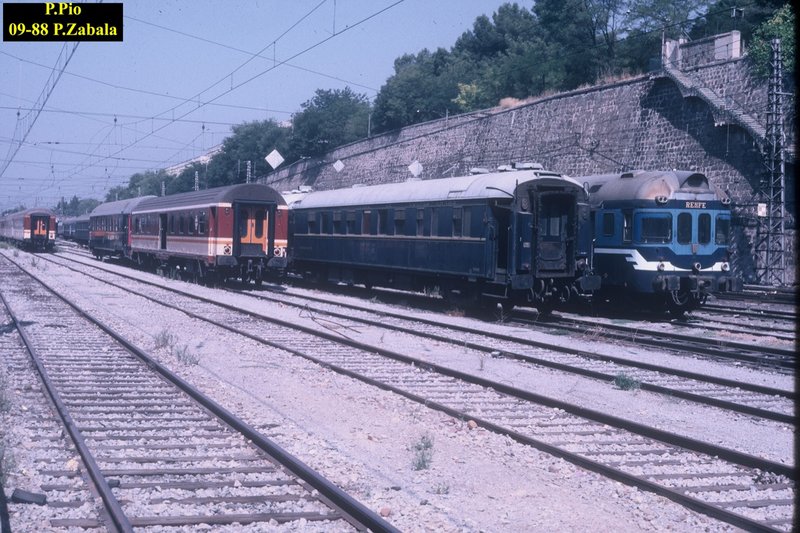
<point x="661" y="238"/>
<point x="504" y="237"/>
<point x="109" y="225"/>
<point x="239" y="231"/>
<point x="75" y="229"/>
<point x="33" y="229"/>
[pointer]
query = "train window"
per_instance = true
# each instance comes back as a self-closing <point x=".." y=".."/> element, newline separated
<point x="704" y="228"/>
<point x="399" y="221"/>
<point x="313" y="223"/>
<point x="420" y="222"/>
<point x="383" y="222"/>
<point x="722" y="230"/>
<point x="326" y="225"/>
<point x="434" y="229"/>
<point x="201" y="223"/>
<point x="656" y="228"/>
<point x="458" y="222"/>
<point x="684" y="228"/>
<point x="366" y="222"/>
<point x="181" y="225"/>
<point x="350" y="217"/>
<point x="338" y="222"/>
<point x="172" y="223"/>
<point x="608" y="224"/>
<point x="627" y="226"/>
<point x="469" y="231"/>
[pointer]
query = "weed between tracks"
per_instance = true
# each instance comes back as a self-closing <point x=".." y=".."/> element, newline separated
<point x="165" y="339"/>
<point x="6" y="459"/>
<point x="5" y="396"/>
<point x="626" y="382"/>
<point x="7" y="463"/>
<point x="423" y="453"/>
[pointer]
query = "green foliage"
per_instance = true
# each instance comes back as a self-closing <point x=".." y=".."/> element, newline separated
<point x="140" y="184"/>
<point x="626" y="382"/>
<point x="719" y="18"/>
<point x="518" y="52"/>
<point x="76" y="206"/>
<point x="250" y="141"/>
<point x="7" y="462"/>
<point x="20" y="207"/>
<point x="164" y="339"/>
<point x="780" y="26"/>
<point x="5" y="393"/>
<point x="423" y="453"/>
<point x="330" y="119"/>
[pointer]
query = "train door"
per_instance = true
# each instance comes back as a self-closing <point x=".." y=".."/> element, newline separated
<point x="253" y="236"/>
<point x="40" y="227"/>
<point x="554" y="234"/>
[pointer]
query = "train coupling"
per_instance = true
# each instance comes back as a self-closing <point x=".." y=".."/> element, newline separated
<point x="588" y="283"/>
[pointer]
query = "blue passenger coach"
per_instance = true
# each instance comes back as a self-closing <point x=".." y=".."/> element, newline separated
<point x="504" y="237"/>
<point x="661" y="238"/>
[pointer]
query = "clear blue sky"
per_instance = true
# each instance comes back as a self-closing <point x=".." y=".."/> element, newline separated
<point x="178" y="55"/>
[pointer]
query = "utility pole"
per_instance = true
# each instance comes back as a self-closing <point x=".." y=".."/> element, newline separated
<point x="770" y="239"/>
<point x="163" y="188"/>
<point x="196" y="180"/>
<point x="249" y="166"/>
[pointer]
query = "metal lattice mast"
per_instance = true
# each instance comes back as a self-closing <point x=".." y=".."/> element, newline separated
<point x="770" y="243"/>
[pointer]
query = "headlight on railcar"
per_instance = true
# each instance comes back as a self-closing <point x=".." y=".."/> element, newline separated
<point x="661" y="267"/>
<point x="696" y="267"/>
<point x="725" y="267"/>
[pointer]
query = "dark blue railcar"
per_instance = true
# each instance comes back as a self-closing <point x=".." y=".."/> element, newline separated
<point x="503" y="237"/>
<point x="661" y="238"/>
<point x="75" y="229"/>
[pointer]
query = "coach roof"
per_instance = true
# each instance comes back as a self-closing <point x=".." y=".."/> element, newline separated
<point x="243" y="192"/>
<point x="495" y="185"/>
<point x="644" y="185"/>
<point x="120" y="207"/>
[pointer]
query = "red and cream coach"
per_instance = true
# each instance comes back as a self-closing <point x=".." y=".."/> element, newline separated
<point x="238" y="231"/>
<point x="33" y="229"/>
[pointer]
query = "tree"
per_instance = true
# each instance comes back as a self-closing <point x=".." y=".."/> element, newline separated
<point x="330" y="119"/>
<point x="251" y="141"/>
<point x="780" y="26"/>
<point x="721" y="18"/>
<point x="140" y="184"/>
<point x="76" y="206"/>
<point x="673" y="17"/>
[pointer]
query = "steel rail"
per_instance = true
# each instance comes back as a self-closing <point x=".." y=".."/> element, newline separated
<point x="353" y="511"/>
<point x="656" y="434"/>
<point x="750" y="387"/>
<point x="113" y="508"/>
<point x="669" y="438"/>
<point x="705" y="347"/>
<point x="356" y="344"/>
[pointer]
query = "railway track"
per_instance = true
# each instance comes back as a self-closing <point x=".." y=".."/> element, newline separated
<point x="738" y="396"/>
<point x="150" y="442"/>
<point x="740" y="489"/>
<point x="759" y="356"/>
